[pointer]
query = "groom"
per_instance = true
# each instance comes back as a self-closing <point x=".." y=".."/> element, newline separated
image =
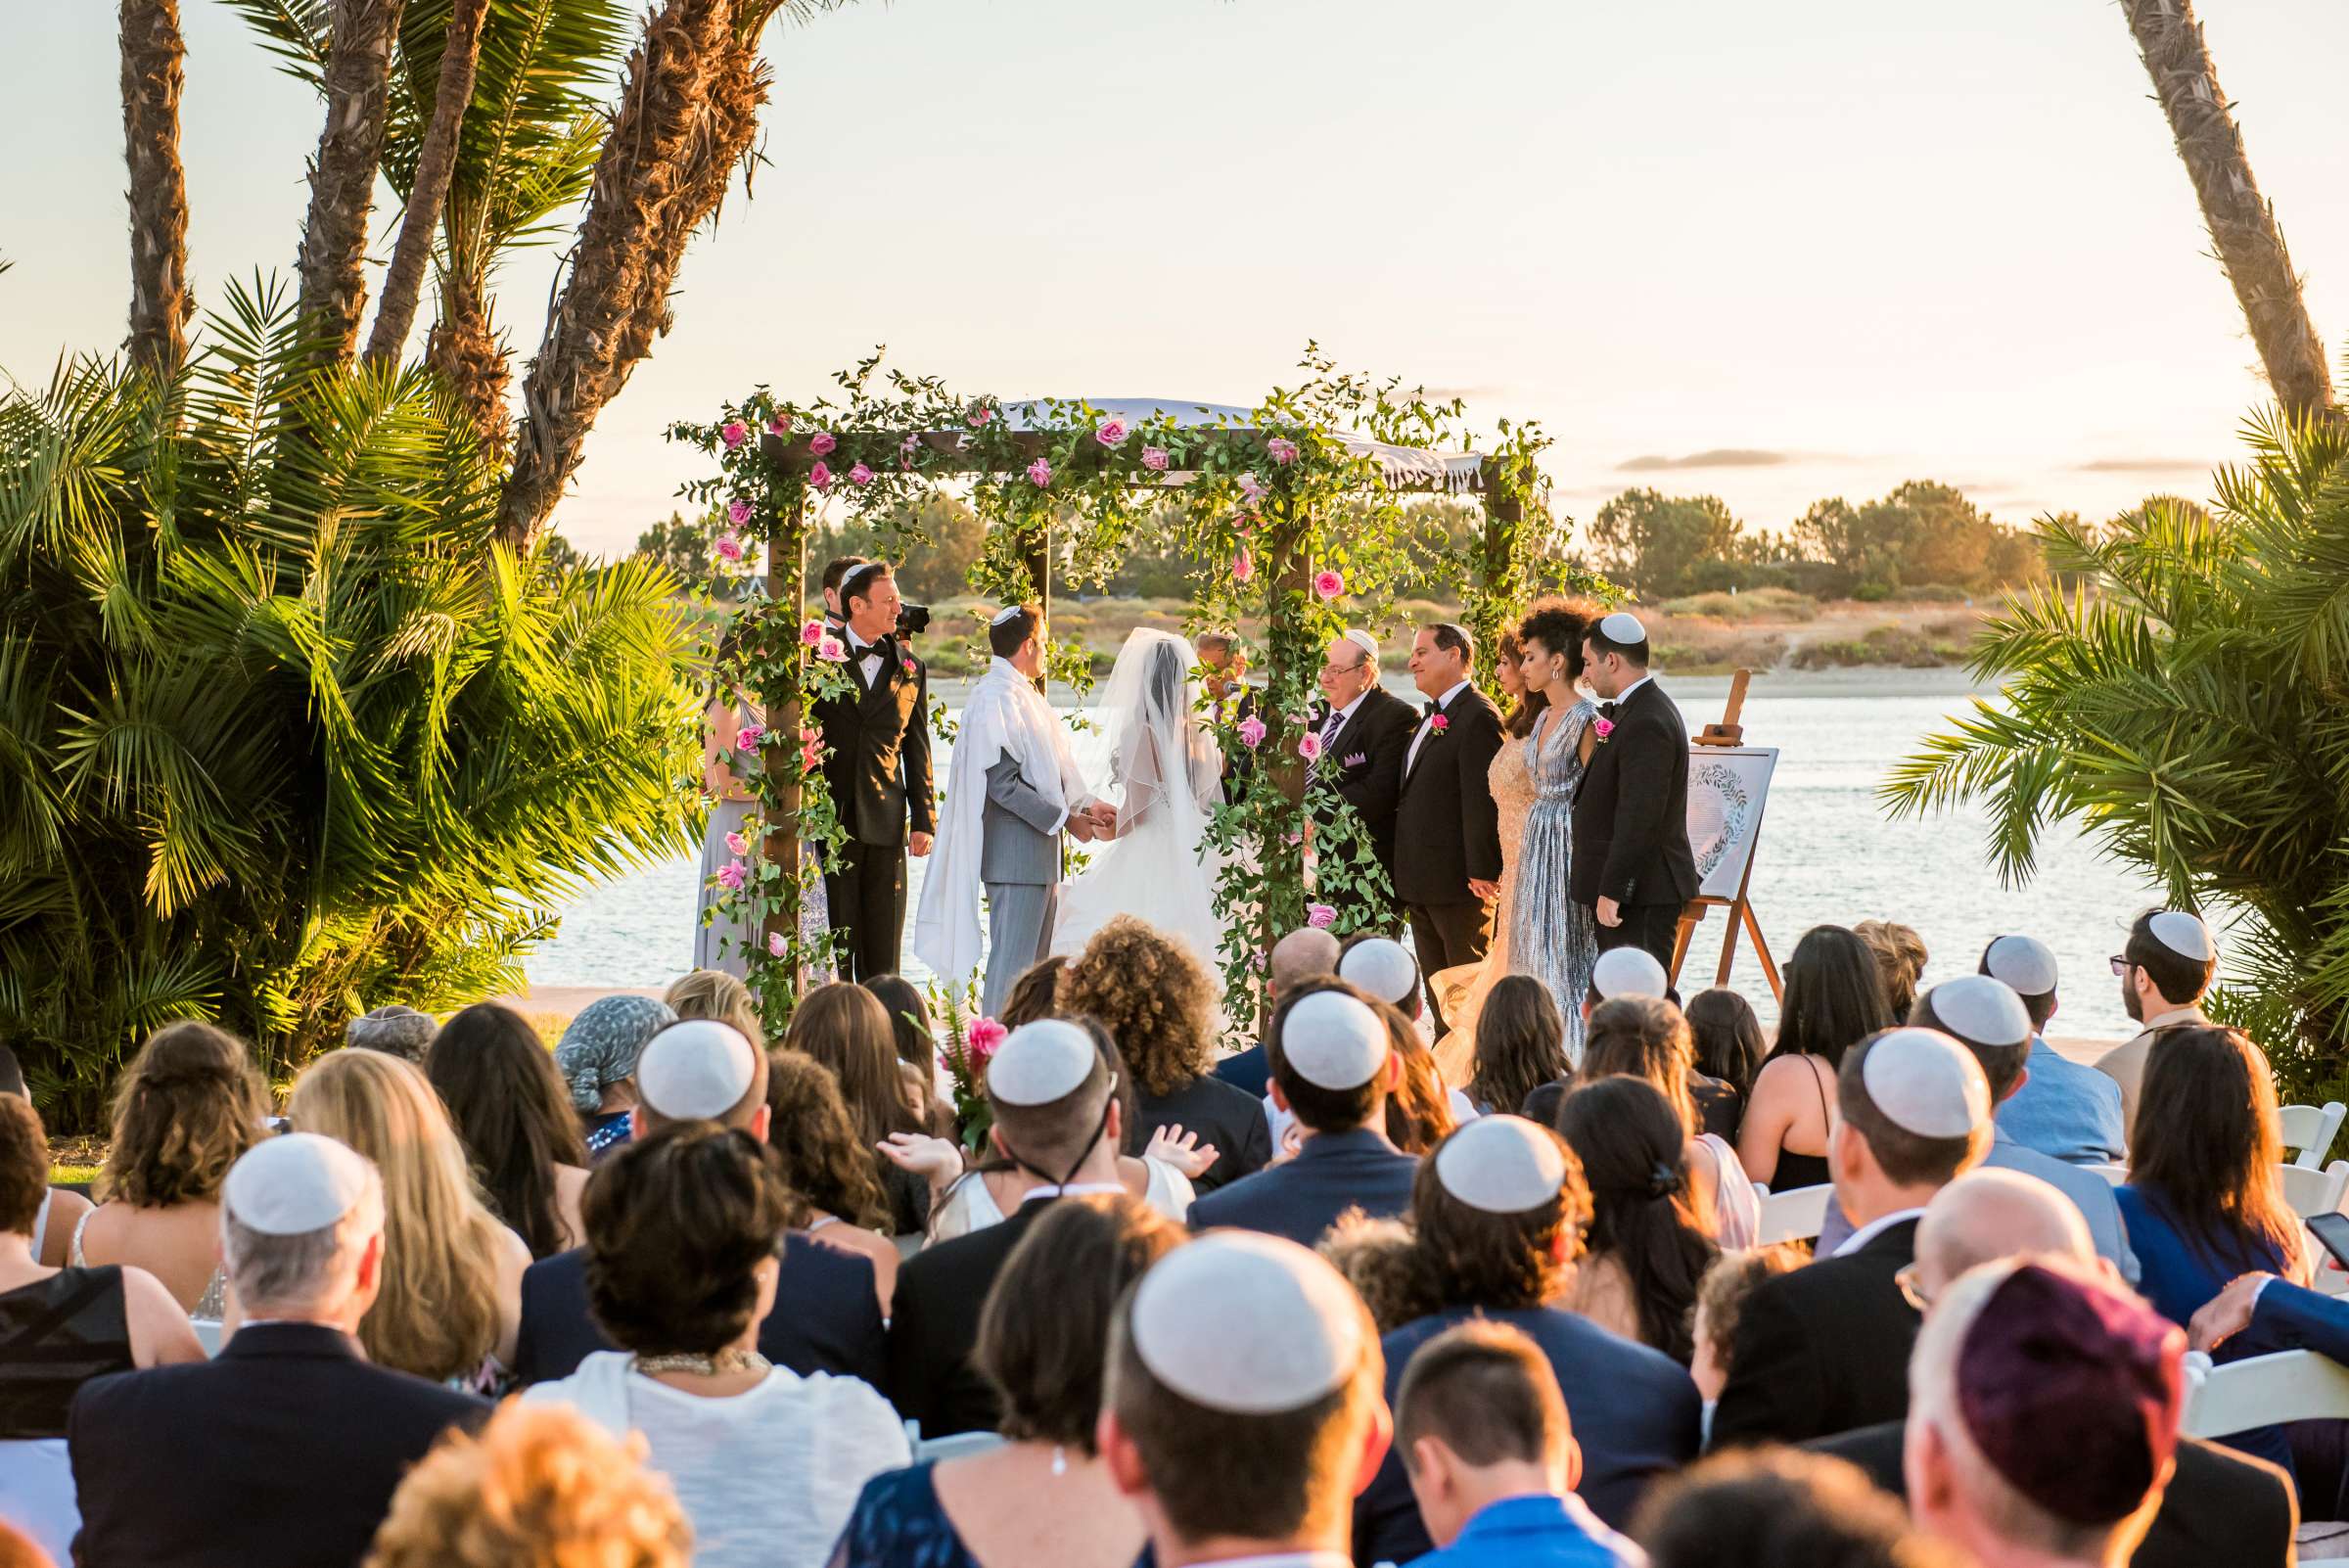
<point x="1632" y="861"/>
<point x="877" y="770"/>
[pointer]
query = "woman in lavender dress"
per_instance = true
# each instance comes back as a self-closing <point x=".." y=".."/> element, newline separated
<point x="1551" y="936"/>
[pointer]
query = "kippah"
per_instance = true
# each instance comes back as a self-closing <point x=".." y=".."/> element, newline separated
<point x="1501" y="1164"/>
<point x="1246" y="1323"/>
<point x="1925" y="1082"/>
<point x="293" y="1184"/>
<point x="1363" y="640"/>
<point x="1331" y="1039"/>
<point x="1622" y="626"/>
<point x="1006" y="613"/>
<point x="2184" y="935"/>
<point x="1380" y="967"/>
<point x="698" y="1069"/>
<point x="1040" y="1062"/>
<point x="1979" y="1010"/>
<point x="2026" y="963"/>
<point x="2071" y="1391"/>
<point x="1629" y="971"/>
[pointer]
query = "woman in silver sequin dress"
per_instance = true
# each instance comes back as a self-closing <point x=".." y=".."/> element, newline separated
<point x="1551" y="936"/>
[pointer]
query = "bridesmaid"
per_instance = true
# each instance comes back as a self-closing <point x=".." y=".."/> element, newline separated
<point x="1551" y="936"/>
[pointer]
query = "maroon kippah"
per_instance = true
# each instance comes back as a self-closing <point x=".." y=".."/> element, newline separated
<point x="2072" y="1391"/>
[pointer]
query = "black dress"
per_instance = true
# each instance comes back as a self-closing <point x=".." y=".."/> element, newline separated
<point x="55" y="1334"/>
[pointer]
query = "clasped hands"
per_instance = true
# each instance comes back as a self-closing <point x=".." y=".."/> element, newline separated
<point x="1098" y="820"/>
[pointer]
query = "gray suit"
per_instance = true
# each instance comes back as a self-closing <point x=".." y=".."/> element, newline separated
<point x="1019" y="860"/>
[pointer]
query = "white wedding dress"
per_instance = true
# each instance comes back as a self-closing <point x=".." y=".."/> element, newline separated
<point x="1166" y="776"/>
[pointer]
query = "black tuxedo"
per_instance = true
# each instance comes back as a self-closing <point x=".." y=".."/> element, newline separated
<point x="1239" y="764"/>
<point x="1631" y="824"/>
<point x="934" y="1323"/>
<point x="878" y="773"/>
<point x="1448" y="833"/>
<point x="285" y="1450"/>
<point x="2222" y="1506"/>
<point x="1362" y="761"/>
<point x="1823" y="1350"/>
<point x="826" y="1317"/>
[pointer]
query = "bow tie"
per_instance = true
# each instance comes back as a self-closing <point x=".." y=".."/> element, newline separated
<point x="1433" y="710"/>
<point x="1607" y="710"/>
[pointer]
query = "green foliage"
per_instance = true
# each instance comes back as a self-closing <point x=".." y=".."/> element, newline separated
<point x="688" y="551"/>
<point x="1649" y="542"/>
<point x="2189" y="714"/>
<point x="281" y="736"/>
<point x="1920" y="533"/>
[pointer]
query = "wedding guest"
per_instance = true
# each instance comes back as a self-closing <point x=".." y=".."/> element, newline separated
<point x="1719" y="1300"/>
<point x="1835" y="999"/>
<point x="1635" y="973"/>
<point x="513" y="1115"/>
<point x="284" y="1451"/>
<point x="1492" y="1459"/>
<point x="823" y="1163"/>
<point x="1823" y="1350"/>
<point x="58" y="1328"/>
<point x="1447" y="861"/>
<point x="1520" y="1044"/>
<point x="844" y="1027"/>
<point x="20" y="1551"/>
<point x="394" y="1030"/>
<point x="917" y="1048"/>
<point x="538" y="1489"/>
<point x="826" y="1317"/>
<point x="2165" y="967"/>
<point x="1158" y="1004"/>
<point x="1385" y="969"/>
<point x="1421" y="1112"/>
<point x="1045" y="1500"/>
<point x="2063" y="1109"/>
<point x="187" y="1107"/>
<point x="1035" y="994"/>
<point x="1333" y="1067"/>
<point x="1900" y="955"/>
<point x="1496" y="1220"/>
<point x="61" y="1211"/>
<point x="1231" y="701"/>
<point x="1299" y="956"/>
<point x="1241" y="1404"/>
<point x="597" y="1058"/>
<point x="1648" y="1038"/>
<point x="450" y="1300"/>
<point x="681" y="1268"/>
<point x="839" y="567"/>
<point x="1778" y="1508"/>
<point x="1553" y="935"/>
<point x="715" y="993"/>
<point x="1730" y="1049"/>
<point x="1649" y="1240"/>
<point x="1364" y="731"/>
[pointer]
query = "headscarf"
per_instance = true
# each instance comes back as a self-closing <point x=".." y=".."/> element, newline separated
<point x="601" y="1046"/>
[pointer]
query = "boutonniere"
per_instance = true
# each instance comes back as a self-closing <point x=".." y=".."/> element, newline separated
<point x="1602" y="728"/>
<point x="906" y="665"/>
<point x="1437" y="724"/>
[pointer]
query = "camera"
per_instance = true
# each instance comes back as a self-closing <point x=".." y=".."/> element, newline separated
<point x="912" y="618"/>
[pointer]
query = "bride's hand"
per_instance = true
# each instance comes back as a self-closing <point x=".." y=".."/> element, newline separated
<point x="1172" y="1146"/>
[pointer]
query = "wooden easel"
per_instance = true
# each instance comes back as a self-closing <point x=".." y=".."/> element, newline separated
<point x="1728" y="732"/>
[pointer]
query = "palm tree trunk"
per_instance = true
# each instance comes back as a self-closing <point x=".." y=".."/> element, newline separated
<point x="2242" y="224"/>
<point x="688" y="112"/>
<point x="154" y="58"/>
<point x="436" y="165"/>
<point x="334" y="242"/>
<point x="463" y="348"/>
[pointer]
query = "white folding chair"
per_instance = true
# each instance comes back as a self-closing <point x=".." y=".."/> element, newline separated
<point x="953" y="1447"/>
<point x="2115" y="1171"/>
<point x="2308" y="1131"/>
<point x="2261" y="1390"/>
<point x="2315" y="1191"/>
<point x="207" y="1334"/>
<point x="1793" y="1215"/>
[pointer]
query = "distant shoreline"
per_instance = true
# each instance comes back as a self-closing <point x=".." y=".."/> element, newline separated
<point x="1863" y="681"/>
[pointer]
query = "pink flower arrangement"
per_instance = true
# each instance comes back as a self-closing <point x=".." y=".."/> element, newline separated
<point x="737" y="844"/>
<point x="907" y="664"/>
<point x="738" y="512"/>
<point x="747" y="738"/>
<point x="983" y="1037"/>
<point x="734" y="434"/>
<point x="1320" y="916"/>
<point x="831" y="650"/>
<point x="811" y="749"/>
<point x="822" y="442"/>
<point x="1282" y="450"/>
<point x="1437" y="724"/>
<point x="1602" y="728"/>
<point x="1309" y="746"/>
<point x="820" y="475"/>
<point x="1154" y="458"/>
<point x="775" y="944"/>
<point x="1040" y="473"/>
<point x="1250" y="491"/>
<point x="980" y="415"/>
<point x="729" y="876"/>
<point x="910" y="445"/>
<point x="729" y="548"/>
<point x="811" y="634"/>
<point x="1251" y="732"/>
<point x="1243" y="565"/>
<point x="1328" y="584"/>
<point x="1113" y="433"/>
<point x="780" y="425"/>
<point x="860" y="475"/>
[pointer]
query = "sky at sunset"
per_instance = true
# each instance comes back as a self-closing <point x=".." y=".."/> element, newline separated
<point x="1773" y="252"/>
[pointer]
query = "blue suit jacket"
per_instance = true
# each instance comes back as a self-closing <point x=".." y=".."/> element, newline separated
<point x="2291" y="1316"/>
<point x="1249" y="1070"/>
<point x="1334" y="1171"/>
<point x="2089" y="1191"/>
<point x="1632" y="1409"/>
<point x="1535" y="1531"/>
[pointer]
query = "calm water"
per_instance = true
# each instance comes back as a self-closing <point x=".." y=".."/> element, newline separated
<point x="1828" y="853"/>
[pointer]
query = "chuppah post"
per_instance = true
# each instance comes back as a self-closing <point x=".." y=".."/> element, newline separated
<point x="785" y="572"/>
<point x="1293" y="659"/>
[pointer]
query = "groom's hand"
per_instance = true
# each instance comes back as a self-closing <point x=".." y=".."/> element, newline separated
<point x="1081" y="827"/>
<point x="1610" y="914"/>
<point x="1105" y="819"/>
<point x="917" y="844"/>
<point x="1486" y="892"/>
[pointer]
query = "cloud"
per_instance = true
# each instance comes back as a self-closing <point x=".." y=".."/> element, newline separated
<point x="2145" y="465"/>
<point x="1467" y="394"/>
<point x="1715" y="458"/>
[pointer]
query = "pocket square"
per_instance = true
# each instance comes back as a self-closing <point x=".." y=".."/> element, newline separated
<point x="1356" y="760"/>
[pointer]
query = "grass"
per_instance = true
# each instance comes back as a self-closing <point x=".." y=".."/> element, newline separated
<point x="1758" y="604"/>
<point x="1887" y="647"/>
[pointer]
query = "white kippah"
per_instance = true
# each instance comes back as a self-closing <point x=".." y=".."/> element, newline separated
<point x="1006" y="613"/>
<point x="698" y="1069"/>
<point x="1364" y="640"/>
<point x="2184" y="935"/>
<point x="2026" y="963"/>
<point x="1040" y="1062"/>
<point x="293" y="1184"/>
<point x="1380" y="967"/>
<point x="1980" y="1010"/>
<point x="1622" y="626"/>
<point x="1501" y="1164"/>
<point x="1331" y="1039"/>
<point x="1926" y="1082"/>
<point x="1246" y="1323"/>
<point x="1629" y="971"/>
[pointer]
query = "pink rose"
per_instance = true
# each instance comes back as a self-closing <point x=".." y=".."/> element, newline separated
<point x="738" y="845"/>
<point x="1154" y="458"/>
<point x="1040" y="473"/>
<point x="1243" y="565"/>
<point x="729" y="876"/>
<point x="860" y="475"/>
<point x="980" y="415"/>
<point x="811" y="634"/>
<point x="809" y="735"/>
<point x="1251" y="732"/>
<point x="729" y="548"/>
<point x="747" y="738"/>
<point x="832" y="650"/>
<point x="775" y="944"/>
<point x="820" y="475"/>
<point x="780" y="425"/>
<point x="1602" y="727"/>
<point x="1250" y="489"/>
<point x="1328" y="584"/>
<point x="1113" y="433"/>
<point x="984" y="1037"/>
<point x="734" y="434"/>
<point x="1437" y="724"/>
<point x="907" y="664"/>
<point x="738" y="512"/>
<point x="822" y="442"/>
<point x="1309" y="746"/>
<point x="1282" y="450"/>
<point x="1320" y="916"/>
<point x="811" y="758"/>
<point x="910" y="444"/>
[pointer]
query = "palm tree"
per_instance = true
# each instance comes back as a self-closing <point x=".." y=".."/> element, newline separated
<point x="2242" y="223"/>
<point x="154" y="68"/>
<point x="436" y="166"/>
<point x="350" y="148"/>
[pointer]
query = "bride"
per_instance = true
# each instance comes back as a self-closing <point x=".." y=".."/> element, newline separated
<point x="1165" y="775"/>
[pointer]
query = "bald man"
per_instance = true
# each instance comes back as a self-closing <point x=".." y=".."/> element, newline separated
<point x="1294" y="959"/>
<point x="1988" y="1214"/>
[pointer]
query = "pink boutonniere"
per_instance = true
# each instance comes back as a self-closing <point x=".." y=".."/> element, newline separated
<point x="1437" y="724"/>
<point x="906" y="665"/>
<point x="1602" y="728"/>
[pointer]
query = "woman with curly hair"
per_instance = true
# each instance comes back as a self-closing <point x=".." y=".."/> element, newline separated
<point x="810" y="1129"/>
<point x="1421" y="1112"/>
<point x="1650" y="1237"/>
<point x="1159" y="1005"/>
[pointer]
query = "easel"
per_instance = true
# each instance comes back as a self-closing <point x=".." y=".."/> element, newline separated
<point x="1728" y="732"/>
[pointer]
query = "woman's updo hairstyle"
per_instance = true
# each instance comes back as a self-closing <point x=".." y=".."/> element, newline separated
<point x="1560" y="626"/>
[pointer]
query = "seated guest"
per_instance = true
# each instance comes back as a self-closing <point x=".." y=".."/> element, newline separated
<point x="1035" y="994"/>
<point x="512" y="1112"/>
<point x="918" y="1050"/>
<point x="1383" y="969"/>
<point x="58" y="1328"/>
<point x="1835" y="999"/>
<point x="1826" y="1349"/>
<point x="61" y="1211"/>
<point x="1778" y="1508"/>
<point x="1485" y="1440"/>
<point x="1156" y="1001"/>
<point x="1642" y="1037"/>
<point x="1719" y="1300"/>
<point x="681" y="1268"/>
<point x="844" y="1027"/>
<point x="597" y="1058"/>
<point x="1649" y="1240"/>
<point x="1496" y="1226"/>
<point x="1520" y="1045"/>
<point x="1900" y="955"/>
<point x="1044" y="1500"/>
<point x="1295" y="958"/>
<point x="2061" y="1108"/>
<point x="540" y="1489"/>
<point x="1379" y="965"/>
<point x="1730" y="1047"/>
<point x="449" y="1306"/>
<point x="715" y="993"/>
<point x="1057" y="1121"/>
<point x="1421" y="1112"/>
<point x="2165" y="967"/>
<point x="1242" y="1403"/>
<point x="284" y="1451"/>
<point x="1633" y="974"/>
<point x="809" y="1130"/>
<point x="826" y="1317"/>
<point x="395" y="1031"/>
<point x="1333" y="1067"/>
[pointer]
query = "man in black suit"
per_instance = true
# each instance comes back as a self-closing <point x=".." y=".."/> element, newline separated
<point x="1364" y="731"/>
<point x="1826" y="1349"/>
<point x="877" y="768"/>
<point x="836" y="568"/>
<point x="1447" y="823"/>
<point x="1234" y="701"/>
<point x="285" y="1448"/>
<point x="1632" y="861"/>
